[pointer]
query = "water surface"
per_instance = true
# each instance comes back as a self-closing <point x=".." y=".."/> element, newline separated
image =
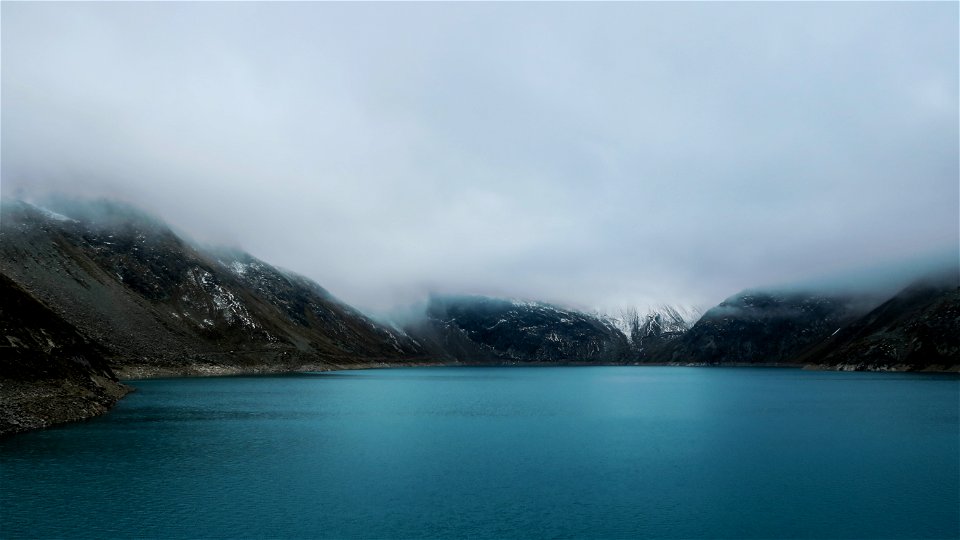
<point x="501" y="453"/>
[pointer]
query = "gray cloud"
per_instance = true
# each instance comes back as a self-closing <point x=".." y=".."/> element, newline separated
<point x="588" y="154"/>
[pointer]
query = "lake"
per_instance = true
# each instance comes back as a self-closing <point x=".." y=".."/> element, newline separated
<point x="501" y="453"/>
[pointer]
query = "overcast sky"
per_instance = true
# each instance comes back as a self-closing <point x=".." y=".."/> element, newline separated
<point x="595" y="155"/>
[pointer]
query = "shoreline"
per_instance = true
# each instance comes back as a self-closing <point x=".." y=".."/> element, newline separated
<point x="44" y="404"/>
<point x="134" y="373"/>
<point x="39" y="404"/>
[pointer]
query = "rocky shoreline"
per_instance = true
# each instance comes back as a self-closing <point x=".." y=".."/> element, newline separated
<point x="134" y="373"/>
<point x="894" y="368"/>
<point x="112" y="294"/>
<point x="30" y="405"/>
<point x="27" y="405"/>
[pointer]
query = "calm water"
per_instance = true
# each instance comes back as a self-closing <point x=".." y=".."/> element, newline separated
<point x="501" y="452"/>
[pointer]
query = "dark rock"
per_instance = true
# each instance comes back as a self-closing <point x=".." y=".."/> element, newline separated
<point x="919" y="328"/>
<point x="149" y="298"/>
<point x="49" y="371"/>
<point x="480" y="329"/>
<point x="756" y="327"/>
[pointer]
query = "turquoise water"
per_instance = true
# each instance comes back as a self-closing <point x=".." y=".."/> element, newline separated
<point x="501" y="453"/>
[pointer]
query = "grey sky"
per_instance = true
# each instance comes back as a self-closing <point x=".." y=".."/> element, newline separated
<point x="590" y="154"/>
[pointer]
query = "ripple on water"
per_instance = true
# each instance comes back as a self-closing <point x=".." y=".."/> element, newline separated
<point x="500" y="452"/>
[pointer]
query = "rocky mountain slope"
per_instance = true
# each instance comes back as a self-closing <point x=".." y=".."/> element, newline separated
<point x="49" y="371"/>
<point x="919" y="328"/>
<point x="95" y="289"/>
<point x="154" y="302"/>
<point x="481" y="329"/>
<point x="649" y="332"/>
<point x="760" y="327"/>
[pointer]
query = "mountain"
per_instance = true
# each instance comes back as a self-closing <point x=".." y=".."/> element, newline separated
<point x="49" y="371"/>
<point x="758" y="327"/>
<point x="919" y="328"/>
<point x="95" y="289"/>
<point x="156" y="303"/>
<point x="648" y="333"/>
<point x="481" y="329"/>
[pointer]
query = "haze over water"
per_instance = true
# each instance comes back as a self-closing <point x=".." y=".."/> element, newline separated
<point x="501" y="452"/>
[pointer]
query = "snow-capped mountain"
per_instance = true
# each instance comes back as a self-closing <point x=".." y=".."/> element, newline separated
<point x="657" y="325"/>
<point x="148" y="298"/>
<point x="94" y="289"/>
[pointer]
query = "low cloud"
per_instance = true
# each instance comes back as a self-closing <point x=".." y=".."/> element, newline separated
<point x="596" y="155"/>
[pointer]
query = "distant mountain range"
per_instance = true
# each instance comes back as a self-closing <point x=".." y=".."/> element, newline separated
<point x="92" y="290"/>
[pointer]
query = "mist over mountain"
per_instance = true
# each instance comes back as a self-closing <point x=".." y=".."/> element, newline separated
<point x="479" y="269"/>
<point x="916" y="328"/>
<point x="583" y="155"/>
<point x="875" y="283"/>
<point x="472" y="328"/>
<point x="762" y="327"/>
<point x="647" y="331"/>
<point x="153" y="300"/>
<point x="96" y="289"/>
<point x="919" y="326"/>
<point x="132" y="283"/>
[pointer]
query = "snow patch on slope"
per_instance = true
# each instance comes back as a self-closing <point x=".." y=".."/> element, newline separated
<point x="50" y="214"/>
<point x="223" y="300"/>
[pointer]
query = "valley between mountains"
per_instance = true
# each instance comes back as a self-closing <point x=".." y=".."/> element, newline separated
<point x="95" y="292"/>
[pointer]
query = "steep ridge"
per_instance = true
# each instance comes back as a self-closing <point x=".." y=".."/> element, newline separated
<point x="757" y="327"/>
<point x="481" y="329"/>
<point x="49" y="371"/>
<point x="110" y="290"/>
<point x="919" y="328"/>
<point x="916" y="329"/>
<point x="156" y="303"/>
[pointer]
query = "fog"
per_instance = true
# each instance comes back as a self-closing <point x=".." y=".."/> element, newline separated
<point x="594" y="155"/>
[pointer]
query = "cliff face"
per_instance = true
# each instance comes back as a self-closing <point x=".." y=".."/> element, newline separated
<point x="479" y="329"/>
<point x="153" y="301"/>
<point x="49" y="371"/>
